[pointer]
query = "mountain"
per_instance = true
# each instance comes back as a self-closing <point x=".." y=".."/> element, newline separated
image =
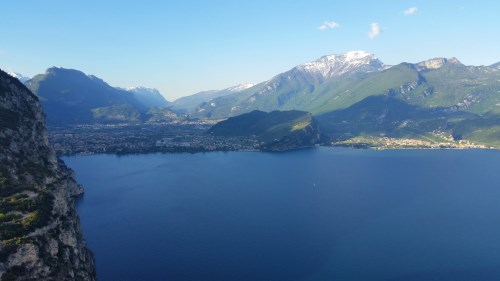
<point x="339" y="81"/>
<point x="434" y="99"/>
<point x="337" y="65"/>
<point x="19" y="76"/>
<point x="158" y="108"/>
<point x="192" y="102"/>
<point x="71" y="97"/>
<point x="40" y="234"/>
<point x="278" y="130"/>
<point x="156" y="114"/>
<point x="149" y="97"/>
<point x="495" y="65"/>
<point x="383" y="115"/>
<point x="457" y="87"/>
<point x="301" y="88"/>
<point x="443" y="96"/>
<point x="436" y="63"/>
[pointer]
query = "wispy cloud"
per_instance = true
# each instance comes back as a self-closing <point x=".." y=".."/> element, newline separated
<point x="375" y="30"/>
<point x="411" y="11"/>
<point x="328" y="25"/>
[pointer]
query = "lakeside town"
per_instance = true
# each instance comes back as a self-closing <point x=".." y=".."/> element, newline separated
<point x="194" y="137"/>
<point x="405" y="143"/>
<point x="144" y="138"/>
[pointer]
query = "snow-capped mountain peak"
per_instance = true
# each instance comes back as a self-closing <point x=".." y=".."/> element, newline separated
<point x="142" y="90"/>
<point x="19" y="76"/>
<point x="336" y="65"/>
<point x="357" y="55"/>
<point x="240" y="87"/>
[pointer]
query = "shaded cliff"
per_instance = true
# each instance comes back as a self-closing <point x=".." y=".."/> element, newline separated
<point x="40" y="231"/>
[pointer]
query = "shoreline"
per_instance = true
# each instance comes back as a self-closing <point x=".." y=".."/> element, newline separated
<point x="375" y="148"/>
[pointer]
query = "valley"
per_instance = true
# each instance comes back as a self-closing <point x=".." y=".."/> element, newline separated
<point x="350" y="96"/>
<point x="249" y="140"/>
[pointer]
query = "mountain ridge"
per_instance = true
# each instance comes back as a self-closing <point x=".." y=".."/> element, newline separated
<point x="293" y="84"/>
<point x="304" y="87"/>
<point x="328" y="84"/>
<point x="438" y="87"/>
<point x="496" y="65"/>
<point x="338" y="64"/>
<point x="71" y="97"/>
<point x="19" y="76"/>
<point x="148" y="97"/>
<point x="189" y="103"/>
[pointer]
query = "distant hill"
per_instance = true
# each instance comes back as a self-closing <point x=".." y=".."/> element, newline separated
<point x="279" y="130"/>
<point x="149" y="97"/>
<point x="495" y="65"/>
<point x="71" y="97"/>
<point x="156" y="114"/>
<point x="190" y="103"/>
<point x="388" y="116"/>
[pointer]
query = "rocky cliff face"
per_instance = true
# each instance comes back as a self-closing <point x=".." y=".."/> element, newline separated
<point x="40" y="232"/>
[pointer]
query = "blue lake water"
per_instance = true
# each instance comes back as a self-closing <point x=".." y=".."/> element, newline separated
<point x="318" y="214"/>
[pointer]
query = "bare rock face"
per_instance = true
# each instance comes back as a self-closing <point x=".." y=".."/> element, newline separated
<point x="40" y="235"/>
<point x="436" y="63"/>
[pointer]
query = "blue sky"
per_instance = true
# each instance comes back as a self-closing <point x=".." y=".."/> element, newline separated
<point x="181" y="47"/>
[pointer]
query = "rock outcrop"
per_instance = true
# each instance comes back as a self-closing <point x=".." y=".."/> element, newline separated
<point x="40" y="231"/>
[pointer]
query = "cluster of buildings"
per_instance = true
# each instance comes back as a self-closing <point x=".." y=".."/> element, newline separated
<point x="208" y="142"/>
<point x="387" y="142"/>
<point x="124" y="139"/>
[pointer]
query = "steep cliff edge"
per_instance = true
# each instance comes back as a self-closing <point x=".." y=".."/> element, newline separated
<point x="40" y="231"/>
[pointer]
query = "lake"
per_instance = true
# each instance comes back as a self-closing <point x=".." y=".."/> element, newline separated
<point x="315" y="214"/>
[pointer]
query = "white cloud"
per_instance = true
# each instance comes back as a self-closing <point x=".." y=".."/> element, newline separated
<point x="375" y="30"/>
<point x="410" y="11"/>
<point x="328" y="25"/>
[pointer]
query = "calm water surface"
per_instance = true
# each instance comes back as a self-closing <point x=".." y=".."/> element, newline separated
<point x="319" y="214"/>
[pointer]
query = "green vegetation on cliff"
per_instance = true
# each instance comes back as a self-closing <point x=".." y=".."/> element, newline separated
<point x="40" y="236"/>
